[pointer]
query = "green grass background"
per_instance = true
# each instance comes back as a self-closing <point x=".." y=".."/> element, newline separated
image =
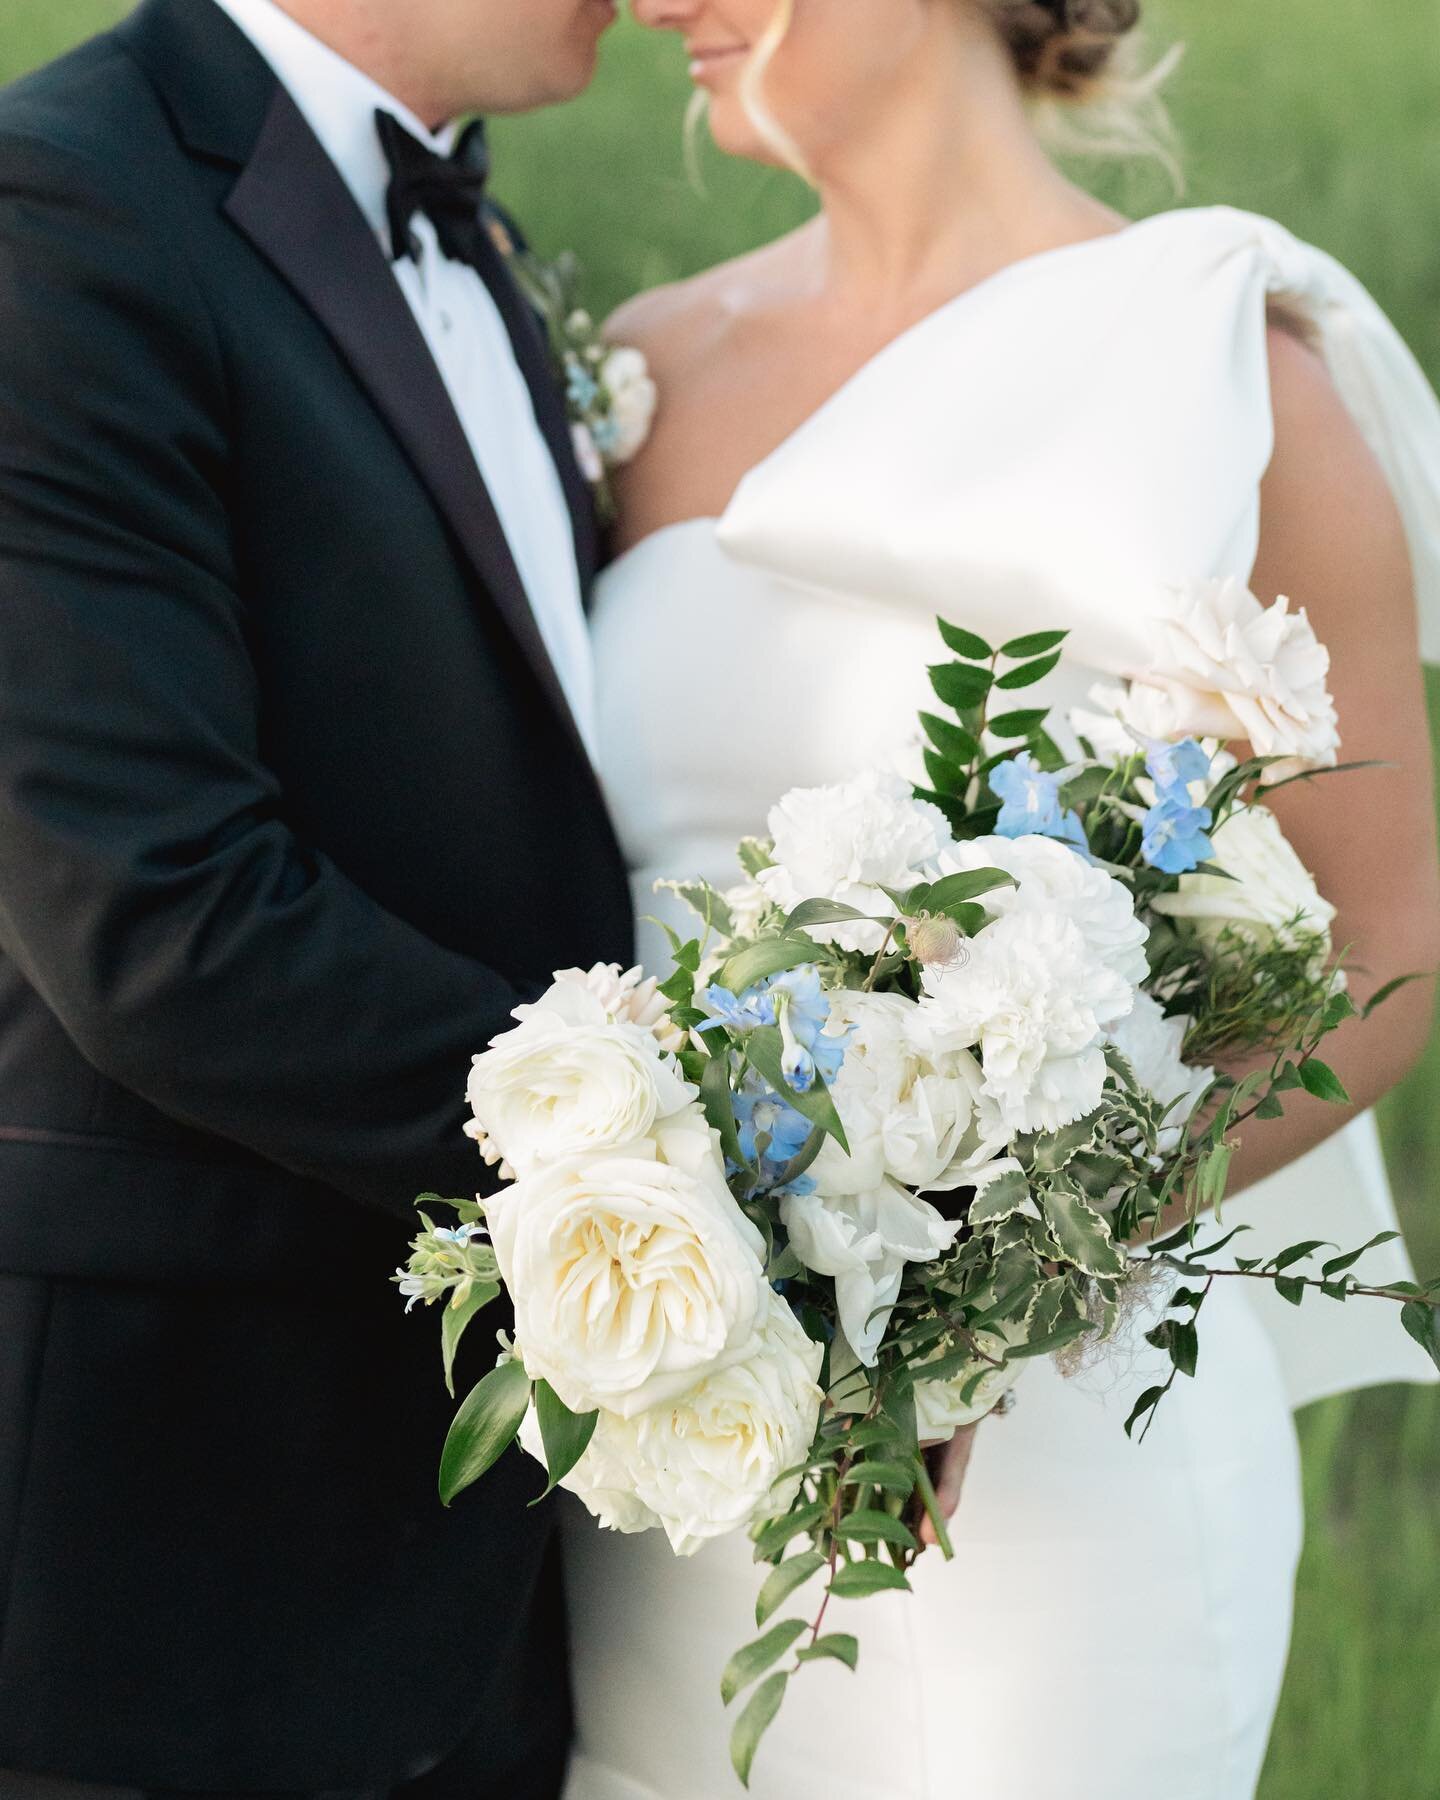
<point x="1328" y="117"/>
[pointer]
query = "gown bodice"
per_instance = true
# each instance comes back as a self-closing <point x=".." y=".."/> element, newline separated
<point x="1051" y="449"/>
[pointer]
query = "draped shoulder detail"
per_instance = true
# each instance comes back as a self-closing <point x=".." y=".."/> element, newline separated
<point x="1087" y="427"/>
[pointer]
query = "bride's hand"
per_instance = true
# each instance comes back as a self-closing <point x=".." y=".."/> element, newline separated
<point x="954" y="1459"/>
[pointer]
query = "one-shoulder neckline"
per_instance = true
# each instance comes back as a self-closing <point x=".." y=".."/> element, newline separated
<point x="947" y="308"/>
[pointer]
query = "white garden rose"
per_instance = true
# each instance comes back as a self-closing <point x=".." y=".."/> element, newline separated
<point x="630" y="996"/>
<point x="1225" y="666"/>
<point x="710" y="1461"/>
<point x="863" y="1242"/>
<point x="846" y="843"/>
<point x="633" y="1271"/>
<point x="910" y="1112"/>
<point x="1152" y="1044"/>
<point x="1051" y="877"/>
<point x="1036" y="1000"/>
<point x="571" y="1077"/>
<point x="1271" y="896"/>
<point x="625" y="375"/>
<point x="941" y="1408"/>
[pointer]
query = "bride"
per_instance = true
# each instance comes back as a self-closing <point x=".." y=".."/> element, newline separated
<point x="968" y="388"/>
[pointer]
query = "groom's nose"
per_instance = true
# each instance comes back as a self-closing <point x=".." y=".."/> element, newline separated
<point x="667" y="15"/>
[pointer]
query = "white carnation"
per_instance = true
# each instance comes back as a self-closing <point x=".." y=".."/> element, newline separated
<point x="710" y="1461"/>
<point x="571" y="1077"/>
<point x="625" y="375"/>
<point x="1152" y="1044"/>
<point x="1225" y="666"/>
<point x="1051" y="877"/>
<point x="1036" y="1000"/>
<point x="633" y="1272"/>
<point x="1271" y="896"/>
<point x="846" y="843"/>
<point x="863" y="1242"/>
<point x="910" y="1111"/>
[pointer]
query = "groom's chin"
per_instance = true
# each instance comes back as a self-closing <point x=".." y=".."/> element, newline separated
<point x="577" y="58"/>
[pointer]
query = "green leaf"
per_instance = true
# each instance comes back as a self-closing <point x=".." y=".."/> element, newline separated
<point x="1297" y="1253"/>
<point x="783" y="1582"/>
<point x="1338" y="1008"/>
<point x="1381" y="995"/>
<point x="707" y="905"/>
<point x="483" y="1427"/>
<point x="750" y="1664"/>
<point x="770" y="956"/>
<point x="1422" y="1321"/>
<point x="870" y="1435"/>
<point x="719" y="1107"/>
<point x="1321" y="1080"/>
<point x="1337" y="1264"/>
<point x="964" y="643"/>
<point x="945" y="776"/>
<point x="1291" y="1288"/>
<point x="1088" y="785"/>
<point x="999" y="1198"/>
<point x="856" y="1581"/>
<point x="894" y="1477"/>
<point x="565" y="1435"/>
<point x="754" y="1722"/>
<point x="837" y="1644"/>
<point x="766" y="1050"/>
<point x="1180" y="1338"/>
<point x="1018" y="724"/>
<point x="755" y="855"/>
<point x="778" y="1533"/>
<point x="868" y="1525"/>
<point x="1082" y="1234"/>
<point x="1028" y="673"/>
<point x="960" y="685"/>
<point x="951" y="890"/>
<point x="826" y="912"/>
<point x="952" y="741"/>
<point x="453" y="1321"/>
<point x="1035" y="644"/>
<point x="1147" y="1403"/>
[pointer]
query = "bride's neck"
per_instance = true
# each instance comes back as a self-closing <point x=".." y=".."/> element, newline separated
<point x="940" y="188"/>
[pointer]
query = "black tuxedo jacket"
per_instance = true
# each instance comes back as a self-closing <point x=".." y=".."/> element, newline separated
<point x="291" y="813"/>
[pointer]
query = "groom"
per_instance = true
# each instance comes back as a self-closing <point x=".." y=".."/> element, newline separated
<point x="295" y="804"/>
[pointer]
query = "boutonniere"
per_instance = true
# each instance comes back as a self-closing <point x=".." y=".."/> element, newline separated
<point x="609" y="395"/>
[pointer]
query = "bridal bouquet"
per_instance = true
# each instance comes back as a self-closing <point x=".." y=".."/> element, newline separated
<point x="908" y="1114"/>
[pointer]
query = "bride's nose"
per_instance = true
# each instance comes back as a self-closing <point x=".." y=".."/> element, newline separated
<point x="667" y="15"/>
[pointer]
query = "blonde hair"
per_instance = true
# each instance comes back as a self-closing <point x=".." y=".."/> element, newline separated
<point x="1090" y="89"/>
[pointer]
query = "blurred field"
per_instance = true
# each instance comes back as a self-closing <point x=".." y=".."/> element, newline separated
<point x="1327" y="117"/>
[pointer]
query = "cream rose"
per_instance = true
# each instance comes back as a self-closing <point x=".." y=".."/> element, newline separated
<point x="709" y="1462"/>
<point x="633" y="1271"/>
<point x="1271" y="896"/>
<point x="941" y="1408"/>
<point x="1225" y="666"/>
<point x="625" y="375"/>
<point x="572" y="1077"/>
<point x="629" y="996"/>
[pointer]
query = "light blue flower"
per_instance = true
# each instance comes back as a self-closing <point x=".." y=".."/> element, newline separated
<point x="1175" y="840"/>
<point x="606" y="433"/>
<point x="803" y="1011"/>
<point x="1173" y="767"/>
<point x="741" y="1012"/>
<point x="1030" y="802"/>
<point x="581" y="388"/>
<point x="772" y="1134"/>
<point x="459" y="1235"/>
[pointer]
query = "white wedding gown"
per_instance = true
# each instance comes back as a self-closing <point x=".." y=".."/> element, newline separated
<point x="1043" y="451"/>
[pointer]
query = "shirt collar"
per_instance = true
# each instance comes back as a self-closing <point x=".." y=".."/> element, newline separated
<point x="337" y="101"/>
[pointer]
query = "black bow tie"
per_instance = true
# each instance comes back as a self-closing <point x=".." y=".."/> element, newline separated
<point x="447" y="189"/>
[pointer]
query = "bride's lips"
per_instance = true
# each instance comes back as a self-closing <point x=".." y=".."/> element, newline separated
<point x="707" y="64"/>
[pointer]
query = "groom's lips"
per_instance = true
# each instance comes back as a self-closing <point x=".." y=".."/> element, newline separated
<point x="705" y="64"/>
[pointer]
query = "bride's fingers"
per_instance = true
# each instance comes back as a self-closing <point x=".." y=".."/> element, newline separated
<point x="952" y="1478"/>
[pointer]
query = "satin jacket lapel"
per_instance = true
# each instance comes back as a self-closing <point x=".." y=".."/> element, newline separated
<point x="293" y="205"/>
<point x="533" y="355"/>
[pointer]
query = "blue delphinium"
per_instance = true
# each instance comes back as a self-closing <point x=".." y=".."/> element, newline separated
<point x="581" y="388"/>
<point x="1172" y="766"/>
<point x="799" y="1005"/>
<point x="741" y="1012"/>
<point x="772" y="1134"/>
<point x="1030" y="802"/>
<point x="1175" y="837"/>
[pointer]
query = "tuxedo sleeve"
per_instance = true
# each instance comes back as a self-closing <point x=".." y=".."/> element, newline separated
<point x="151" y="891"/>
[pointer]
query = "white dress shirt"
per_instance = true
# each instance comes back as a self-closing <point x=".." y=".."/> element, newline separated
<point x="463" y="328"/>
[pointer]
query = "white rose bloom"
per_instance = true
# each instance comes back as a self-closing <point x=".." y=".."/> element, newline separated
<point x="1271" y="894"/>
<point x="910" y="1112"/>
<point x="570" y="1078"/>
<point x="1225" y="666"/>
<point x="1036" y="1000"/>
<point x="625" y="375"/>
<point x="629" y="996"/>
<point x="847" y="842"/>
<point x="1050" y="876"/>
<point x="708" y="1462"/>
<point x="863" y="1241"/>
<point x="1152" y="1045"/>
<point x="940" y="1407"/>
<point x="633" y="1271"/>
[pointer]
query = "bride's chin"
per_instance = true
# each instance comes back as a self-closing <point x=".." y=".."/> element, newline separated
<point x="734" y="132"/>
